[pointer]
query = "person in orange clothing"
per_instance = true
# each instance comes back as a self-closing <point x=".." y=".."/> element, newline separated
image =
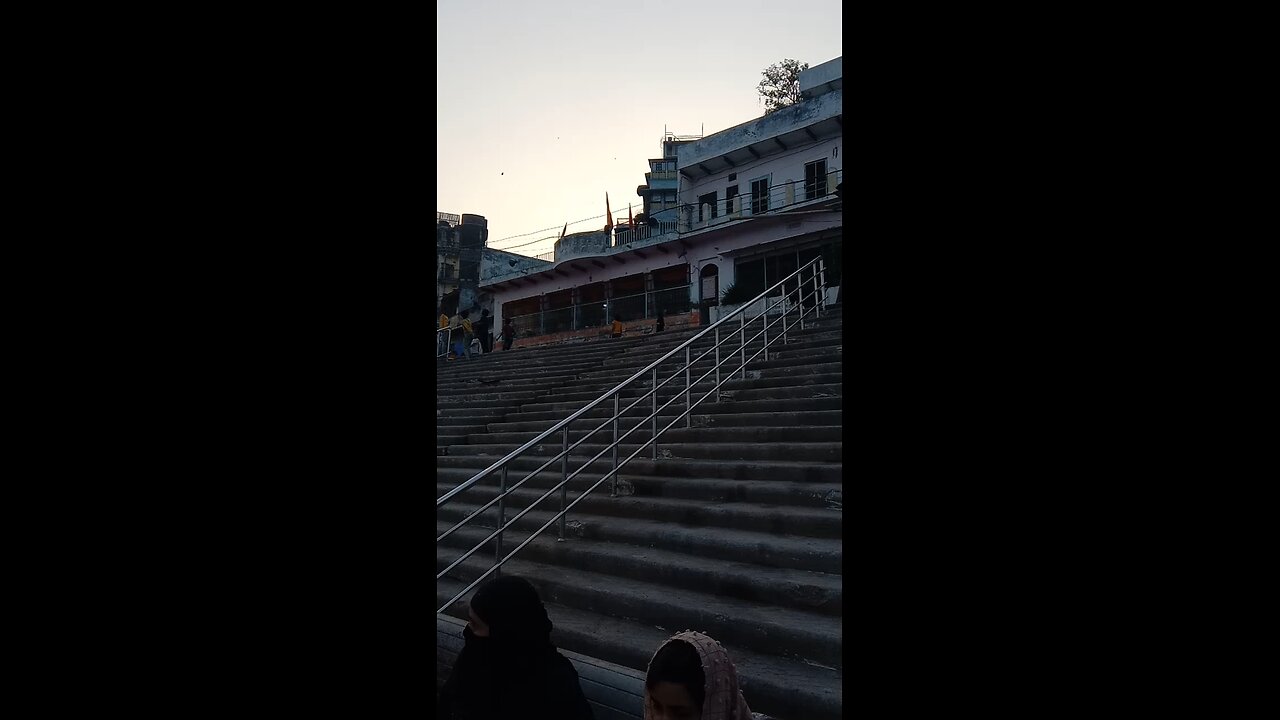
<point x="617" y="327"/>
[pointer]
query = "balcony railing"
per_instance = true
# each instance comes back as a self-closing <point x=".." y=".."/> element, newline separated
<point x="601" y="313"/>
<point x="697" y="216"/>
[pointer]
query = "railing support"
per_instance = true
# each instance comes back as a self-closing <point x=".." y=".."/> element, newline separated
<point x="816" y="311"/>
<point x="717" y="364"/>
<point x="742" y="330"/>
<point x="502" y="519"/>
<point x="654" y="436"/>
<point x="800" y="301"/>
<point x="688" y="406"/>
<point x="614" y="492"/>
<point x="822" y="271"/>
<point x="564" y="477"/>
<point x="766" y="330"/>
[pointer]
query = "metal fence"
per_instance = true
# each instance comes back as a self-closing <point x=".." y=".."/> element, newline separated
<point x="602" y="312"/>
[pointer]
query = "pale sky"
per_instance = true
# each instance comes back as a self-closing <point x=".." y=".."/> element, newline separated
<point x="542" y="107"/>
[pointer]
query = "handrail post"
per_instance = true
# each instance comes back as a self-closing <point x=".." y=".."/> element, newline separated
<point x="614" y="492"/>
<point x="800" y="301"/>
<point x="502" y="520"/>
<point x="688" y="407"/>
<point x="785" y="312"/>
<point x="766" y="330"/>
<point x="816" y="311"/>
<point x="743" y="338"/>
<point x="717" y="364"/>
<point x="654" y="436"/>
<point x="564" y="476"/>
<point x="822" y="270"/>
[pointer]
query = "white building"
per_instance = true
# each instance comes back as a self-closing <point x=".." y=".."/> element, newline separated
<point x="754" y="202"/>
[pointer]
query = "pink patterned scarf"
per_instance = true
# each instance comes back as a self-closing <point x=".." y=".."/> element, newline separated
<point x="724" y="700"/>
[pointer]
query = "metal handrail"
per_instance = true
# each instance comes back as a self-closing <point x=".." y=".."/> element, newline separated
<point x="818" y="278"/>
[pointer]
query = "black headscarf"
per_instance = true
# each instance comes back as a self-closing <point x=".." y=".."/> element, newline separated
<point x="518" y="623"/>
<point x="515" y="671"/>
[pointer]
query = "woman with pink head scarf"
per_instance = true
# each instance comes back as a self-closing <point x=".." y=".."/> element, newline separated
<point x="692" y="678"/>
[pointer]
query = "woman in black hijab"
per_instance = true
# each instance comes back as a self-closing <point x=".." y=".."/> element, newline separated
<point x="509" y="668"/>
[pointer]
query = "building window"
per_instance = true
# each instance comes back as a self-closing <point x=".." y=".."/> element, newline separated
<point x="760" y="196"/>
<point x="815" y="179"/>
<point x="708" y="199"/>
<point x="730" y="193"/>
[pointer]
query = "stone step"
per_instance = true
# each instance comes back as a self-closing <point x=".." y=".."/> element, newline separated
<point x="453" y="404"/>
<point x="752" y="381"/>
<point x="807" y="451"/>
<point x="723" y="414"/>
<point x="790" y="470"/>
<point x="798" y="391"/>
<point x="472" y="418"/>
<point x="830" y="433"/>
<point x="800" y="521"/>
<point x="479" y="392"/>
<point x="797" y="589"/>
<point x="531" y="376"/>
<point x="768" y="492"/>
<point x="460" y="430"/>
<point x="730" y="381"/>
<point x="498" y="387"/>
<point x="773" y="550"/>
<point x="779" y="686"/>
<point x="728" y="349"/>
<point x="519" y="353"/>
<point x="756" y="626"/>
<point x="541" y="365"/>
<point x="813" y="397"/>
<point x="730" y="367"/>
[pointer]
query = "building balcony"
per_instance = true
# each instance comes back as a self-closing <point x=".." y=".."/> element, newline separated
<point x="785" y="197"/>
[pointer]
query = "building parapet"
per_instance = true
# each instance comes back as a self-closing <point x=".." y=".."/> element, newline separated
<point x="761" y="134"/>
<point x="822" y="78"/>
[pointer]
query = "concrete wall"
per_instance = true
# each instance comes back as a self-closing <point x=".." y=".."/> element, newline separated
<point x="495" y="263"/>
<point x="574" y="245"/>
<point x="821" y="74"/>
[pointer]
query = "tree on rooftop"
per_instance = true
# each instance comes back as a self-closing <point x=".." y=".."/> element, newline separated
<point x="781" y="84"/>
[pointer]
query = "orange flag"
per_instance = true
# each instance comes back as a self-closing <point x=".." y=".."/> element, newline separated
<point x="630" y="220"/>
<point x="608" y="214"/>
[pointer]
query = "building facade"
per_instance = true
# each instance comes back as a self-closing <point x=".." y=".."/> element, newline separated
<point x="660" y="193"/>
<point x="752" y="204"/>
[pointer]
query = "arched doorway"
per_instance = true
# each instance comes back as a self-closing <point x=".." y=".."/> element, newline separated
<point x="709" y="291"/>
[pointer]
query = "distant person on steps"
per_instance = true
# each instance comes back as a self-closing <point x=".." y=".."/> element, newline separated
<point x="617" y="327"/>
<point x="509" y="669"/>
<point x="485" y="332"/>
<point x="508" y="334"/>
